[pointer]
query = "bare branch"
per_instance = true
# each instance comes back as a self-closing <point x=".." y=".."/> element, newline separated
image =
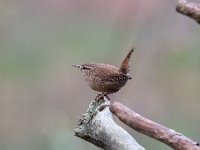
<point x="98" y="127"/>
<point x="152" y="129"/>
<point x="189" y="9"/>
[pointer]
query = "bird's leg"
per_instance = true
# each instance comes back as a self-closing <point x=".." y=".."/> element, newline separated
<point x="101" y="96"/>
<point x="106" y="95"/>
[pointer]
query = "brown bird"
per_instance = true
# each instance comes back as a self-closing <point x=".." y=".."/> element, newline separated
<point x="106" y="78"/>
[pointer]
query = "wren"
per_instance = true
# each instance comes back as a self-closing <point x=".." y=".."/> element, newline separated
<point x="106" y="78"/>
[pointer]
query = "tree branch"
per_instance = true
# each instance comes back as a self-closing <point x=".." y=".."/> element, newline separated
<point x="191" y="10"/>
<point x="98" y="127"/>
<point x="152" y="129"/>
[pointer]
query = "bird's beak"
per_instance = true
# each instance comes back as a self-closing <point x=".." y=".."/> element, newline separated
<point x="129" y="77"/>
<point x="77" y="66"/>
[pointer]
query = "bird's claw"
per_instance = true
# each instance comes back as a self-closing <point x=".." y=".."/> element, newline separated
<point x="101" y="96"/>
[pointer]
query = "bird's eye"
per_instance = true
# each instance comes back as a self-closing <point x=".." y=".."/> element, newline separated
<point x="86" y="67"/>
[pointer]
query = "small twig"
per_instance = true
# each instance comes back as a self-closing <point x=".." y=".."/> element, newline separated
<point x="189" y="9"/>
<point x="152" y="129"/>
<point x="98" y="127"/>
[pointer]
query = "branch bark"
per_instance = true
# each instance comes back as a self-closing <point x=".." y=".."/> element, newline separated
<point x="152" y="129"/>
<point x="189" y="9"/>
<point x="98" y="127"/>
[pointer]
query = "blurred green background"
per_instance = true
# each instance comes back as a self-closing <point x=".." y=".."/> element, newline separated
<point x="42" y="96"/>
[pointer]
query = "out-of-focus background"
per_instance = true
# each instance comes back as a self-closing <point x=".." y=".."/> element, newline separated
<point x="42" y="95"/>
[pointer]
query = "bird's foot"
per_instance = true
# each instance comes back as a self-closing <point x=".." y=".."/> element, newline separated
<point x="107" y="97"/>
<point x="101" y="96"/>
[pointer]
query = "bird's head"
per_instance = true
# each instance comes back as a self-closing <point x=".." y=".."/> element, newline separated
<point x="85" y="68"/>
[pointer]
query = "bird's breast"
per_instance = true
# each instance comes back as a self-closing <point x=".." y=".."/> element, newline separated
<point x="110" y="85"/>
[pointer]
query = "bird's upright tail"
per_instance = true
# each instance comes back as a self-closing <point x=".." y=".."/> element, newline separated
<point x="125" y="64"/>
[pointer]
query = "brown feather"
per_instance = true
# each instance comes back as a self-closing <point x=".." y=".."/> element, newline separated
<point x="125" y="64"/>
